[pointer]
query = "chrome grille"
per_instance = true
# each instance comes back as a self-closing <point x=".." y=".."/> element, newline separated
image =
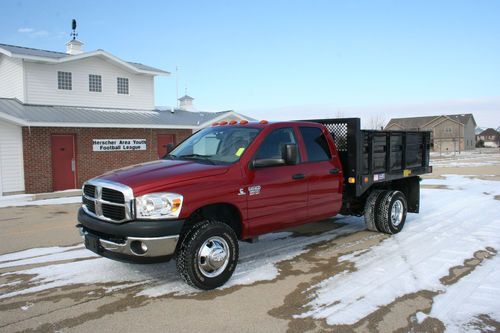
<point x="107" y="200"/>
<point x="110" y="195"/>
<point x="89" y="204"/>
<point x="89" y="191"/>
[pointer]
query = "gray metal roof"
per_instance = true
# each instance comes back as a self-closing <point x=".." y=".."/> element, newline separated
<point x="27" y="51"/>
<point x="32" y="52"/>
<point x="38" y="115"/>
<point x="419" y="122"/>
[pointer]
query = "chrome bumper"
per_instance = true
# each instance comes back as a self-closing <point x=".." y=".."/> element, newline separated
<point x="140" y="247"/>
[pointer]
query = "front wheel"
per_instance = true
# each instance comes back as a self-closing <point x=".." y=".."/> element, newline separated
<point x="208" y="255"/>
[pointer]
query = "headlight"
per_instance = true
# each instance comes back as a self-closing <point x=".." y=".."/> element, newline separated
<point x="158" y="206"/>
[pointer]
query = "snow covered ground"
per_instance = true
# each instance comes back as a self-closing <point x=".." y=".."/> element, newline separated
<point x="476" y="158"/>
<point x="459" y="221"/>
<point x="27" y="200"/>
<point x="453" y="224"/>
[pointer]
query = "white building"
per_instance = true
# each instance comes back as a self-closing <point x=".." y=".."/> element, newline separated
<point x="52" y="99"/>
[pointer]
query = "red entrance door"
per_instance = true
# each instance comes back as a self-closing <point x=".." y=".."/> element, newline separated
<point x="163" y="141"/>
<point x="63" y="162"/>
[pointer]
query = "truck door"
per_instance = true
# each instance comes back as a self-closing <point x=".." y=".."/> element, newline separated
<point x="324" y="177"/>
<point x="277" y="195"/>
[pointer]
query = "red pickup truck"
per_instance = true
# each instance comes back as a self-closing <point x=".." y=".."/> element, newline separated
<point x="235" y="181"/>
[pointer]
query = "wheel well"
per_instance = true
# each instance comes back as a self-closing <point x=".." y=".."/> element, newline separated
<point x="409" y="186"/>
<point x="222" y="212"/>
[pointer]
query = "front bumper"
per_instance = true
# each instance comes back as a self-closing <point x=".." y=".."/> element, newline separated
<point x="134" y="241"/>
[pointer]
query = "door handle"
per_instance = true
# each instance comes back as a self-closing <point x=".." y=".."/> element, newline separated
<point x="334" y="171"/>
<point x="298" y="176"/>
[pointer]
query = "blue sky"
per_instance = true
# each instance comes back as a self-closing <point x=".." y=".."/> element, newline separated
<point x="282" y="59"/>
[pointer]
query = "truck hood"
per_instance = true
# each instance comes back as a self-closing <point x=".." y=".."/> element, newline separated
<point x="156" y="175"/>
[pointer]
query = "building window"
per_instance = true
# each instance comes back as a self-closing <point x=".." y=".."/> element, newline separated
<point x="95" y="83"/>
<point x="122" y="85"/>
<point x="64" y="80"/>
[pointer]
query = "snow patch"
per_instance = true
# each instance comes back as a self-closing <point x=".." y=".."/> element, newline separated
<point x="257" y="263"/>
<point x="450" y="228"/>
<point x="25" y="200"/>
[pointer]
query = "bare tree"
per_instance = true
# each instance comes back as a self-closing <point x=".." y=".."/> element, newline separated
<point x="339" y="114"/>
<point x="376" y="122"/>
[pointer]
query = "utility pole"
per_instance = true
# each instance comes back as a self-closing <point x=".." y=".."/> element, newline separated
<point x="177" y="86"/>
<point x="459" y="134"/>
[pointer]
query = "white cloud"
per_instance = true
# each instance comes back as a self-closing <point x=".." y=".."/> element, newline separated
<point x="40" y="33"/>
<point x="25" y="30"/>
<point x="32" y="32"/>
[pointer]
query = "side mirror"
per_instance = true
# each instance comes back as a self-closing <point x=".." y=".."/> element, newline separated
<point x="291" y="154"/>
<point x="170" y="147"/>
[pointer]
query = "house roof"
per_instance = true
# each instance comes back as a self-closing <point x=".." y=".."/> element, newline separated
<point x="21" y="114"/>
<point x="413" y="122"/>
<point x="489" y="131"/>
<point x="186" y="97"/>
<point x="55" y="57"/>
<point x="419" y="122"/>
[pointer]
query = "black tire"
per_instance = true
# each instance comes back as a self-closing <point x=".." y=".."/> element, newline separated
<point x="370" y="209"/>
<point x="194" y="267"/>
<point x="388" y="220"/>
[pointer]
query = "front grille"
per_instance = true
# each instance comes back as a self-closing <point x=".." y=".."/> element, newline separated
<point x="89" y="190"/>
<point x="108" y="201"/>
<point x="113" y="212"/>
<point x="89" y="204"/>
<point x="112" y="196"/>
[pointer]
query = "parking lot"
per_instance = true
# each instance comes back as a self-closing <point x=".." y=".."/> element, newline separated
<point x="439" y="273"/>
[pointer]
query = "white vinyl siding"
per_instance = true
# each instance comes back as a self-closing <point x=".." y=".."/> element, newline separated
<point x="41" y="89"/>
<point x="11" y="158"/>
<point x="12" y="77"/>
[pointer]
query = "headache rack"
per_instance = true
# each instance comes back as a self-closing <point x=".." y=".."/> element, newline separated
<point x="369" y="156"/>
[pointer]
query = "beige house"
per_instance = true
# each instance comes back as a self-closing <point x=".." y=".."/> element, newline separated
<point x="490" y="138"/>
<point x="449" y="133"/>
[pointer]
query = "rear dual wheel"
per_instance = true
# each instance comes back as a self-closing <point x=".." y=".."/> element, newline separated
<point x="385" y="211"/>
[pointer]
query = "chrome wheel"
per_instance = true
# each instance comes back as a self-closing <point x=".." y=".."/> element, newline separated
<point x="213" y="256"/>
<point x="397" y="213"/>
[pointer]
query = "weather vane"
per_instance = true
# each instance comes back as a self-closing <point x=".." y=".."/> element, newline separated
<point x="73" y="26"/>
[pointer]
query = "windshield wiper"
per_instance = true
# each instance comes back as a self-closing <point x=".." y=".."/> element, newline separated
<point x="198" y="157"/>
<point x="169" y="156"/>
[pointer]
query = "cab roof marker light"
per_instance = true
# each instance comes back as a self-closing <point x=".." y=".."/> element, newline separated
<point x="243" y="122"/>
<point x="263" y="122"/>
<point x="222" y="123"/>
<point x="215" y="124"/>
<point x="233" y="122"/>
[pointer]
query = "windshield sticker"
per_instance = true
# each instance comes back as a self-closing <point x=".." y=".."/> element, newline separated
<point x="239" y="151"/>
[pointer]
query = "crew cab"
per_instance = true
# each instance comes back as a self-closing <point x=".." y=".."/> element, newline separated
<point x="234" y="181"/>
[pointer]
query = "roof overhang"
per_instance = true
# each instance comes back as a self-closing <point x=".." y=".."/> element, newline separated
<point x="98" y="53"/>
<point x="25" y="123"/>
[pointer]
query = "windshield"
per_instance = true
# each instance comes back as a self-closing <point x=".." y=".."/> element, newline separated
<point x="215" y="145"/>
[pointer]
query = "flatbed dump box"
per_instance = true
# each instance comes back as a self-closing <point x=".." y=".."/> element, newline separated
<point x="373" y="158"/>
